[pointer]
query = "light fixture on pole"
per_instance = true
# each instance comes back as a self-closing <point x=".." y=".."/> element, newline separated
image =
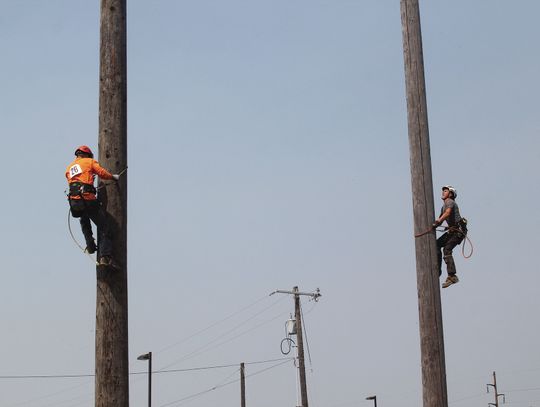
<point x="374" y="398"/>
<point x="148" y="357"/>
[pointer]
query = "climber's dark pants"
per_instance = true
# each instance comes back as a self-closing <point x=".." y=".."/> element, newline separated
<point x="445" y="245"/>
<point x="87" y="210"/>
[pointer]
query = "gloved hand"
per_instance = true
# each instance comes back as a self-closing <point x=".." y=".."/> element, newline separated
<point x="436" y="224"/>
<point x="116" y="177"/>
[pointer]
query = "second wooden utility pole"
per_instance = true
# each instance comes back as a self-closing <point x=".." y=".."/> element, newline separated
<point x="300" y="344"/>
<point x="112" y="375"/>
<point x="497" y="394"/>
<point x="300" y="338"/>
<point x="242" y="385"/>
<point x="429" y="297"/>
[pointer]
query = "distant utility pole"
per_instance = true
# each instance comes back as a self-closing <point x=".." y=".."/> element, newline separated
<point x="242" y="385"/>
<point x="429" y="299"/>
<point x="112" y="380"/>
<point x="497" y="395"/>
<point x="374" y="398"/>
<point x="299" y="337"/>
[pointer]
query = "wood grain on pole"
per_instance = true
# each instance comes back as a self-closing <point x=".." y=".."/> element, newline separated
<point x="300" y="340"/>
<point x="112" y="380"/>
<point x="429" y="300"/>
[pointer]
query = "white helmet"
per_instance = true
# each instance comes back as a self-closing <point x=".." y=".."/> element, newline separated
<point x="451" y="189"/>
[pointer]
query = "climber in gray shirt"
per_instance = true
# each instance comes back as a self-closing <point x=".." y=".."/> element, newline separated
<point x="455" y="234"/>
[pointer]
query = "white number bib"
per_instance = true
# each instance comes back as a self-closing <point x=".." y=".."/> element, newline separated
<point x="75" y="170"/>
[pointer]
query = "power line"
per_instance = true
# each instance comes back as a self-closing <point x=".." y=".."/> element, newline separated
<point x="218" y="366"/>
<point x="219" y="386"/>
<point x="46" y="396"/>
<point x="74" y="376"/>
<point x="228" y="377"/>
<point x="467" y="398"/>
<point x="84" y="398"/>
<point x="201" y="351"/>
<point x="306" y="335"/>
<point x="213" y="325"/>
<point x="518" y="390"/>
<point x="483" y="394"/>
<point x="60" y="376"/>
<point x="204" y="348"/>
<point x="191" y="369"/>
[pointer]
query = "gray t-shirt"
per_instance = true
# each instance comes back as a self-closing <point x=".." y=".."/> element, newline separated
<point x="454" y="217"/>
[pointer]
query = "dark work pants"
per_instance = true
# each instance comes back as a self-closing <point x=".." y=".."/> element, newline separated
<point x="445" y="245"/>
<point x="87" y="211"/>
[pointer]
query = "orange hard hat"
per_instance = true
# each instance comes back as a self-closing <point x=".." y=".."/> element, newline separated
<point x="84" y="149"/>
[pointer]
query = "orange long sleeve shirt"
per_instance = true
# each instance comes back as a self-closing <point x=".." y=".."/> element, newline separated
<point x="84" y="170"/>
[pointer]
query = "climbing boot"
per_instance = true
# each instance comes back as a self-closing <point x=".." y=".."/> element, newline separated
<point x="91" y="247"/>
<point x="106" y="261"/>
<point x="453" y="279"/>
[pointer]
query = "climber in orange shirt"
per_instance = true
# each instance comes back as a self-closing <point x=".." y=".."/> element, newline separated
<point x="84" y="204"/>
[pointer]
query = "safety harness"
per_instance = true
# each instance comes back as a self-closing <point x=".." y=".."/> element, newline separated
<point x="80" y="188"/>
<point x="461" y="228"/>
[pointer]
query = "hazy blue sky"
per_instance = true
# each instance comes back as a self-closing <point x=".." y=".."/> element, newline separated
<point x="267" y="149"/>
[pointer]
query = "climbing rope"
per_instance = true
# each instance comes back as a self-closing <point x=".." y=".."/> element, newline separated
<point x="431" y="229"/>
<point x="465" y="240"/>
<point x="75" y="240"/>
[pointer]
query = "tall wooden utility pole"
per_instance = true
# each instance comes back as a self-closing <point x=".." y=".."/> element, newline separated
<point x="300" y="338"/>
<point x="242" y="386"/>
<point x="112" y="384"/>
<point x="429" y="296"/>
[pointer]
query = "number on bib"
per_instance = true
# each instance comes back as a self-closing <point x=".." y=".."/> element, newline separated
<point x="75" y="170"/>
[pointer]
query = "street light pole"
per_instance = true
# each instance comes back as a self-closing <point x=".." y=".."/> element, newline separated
<point x="374" y="398"/>
<point x="148" y="357"/>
